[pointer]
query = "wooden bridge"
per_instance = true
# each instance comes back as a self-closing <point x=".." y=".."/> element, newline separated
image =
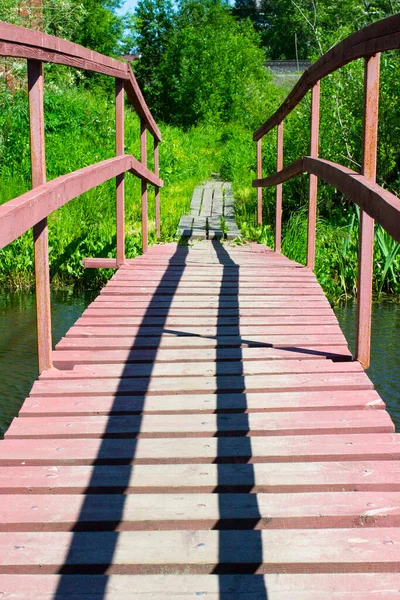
<point x="202" y="430"/>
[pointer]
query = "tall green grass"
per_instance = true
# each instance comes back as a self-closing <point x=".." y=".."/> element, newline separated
<point x="80" y="130"/>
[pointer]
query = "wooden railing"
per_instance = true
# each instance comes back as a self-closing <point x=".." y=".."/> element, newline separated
<point x="375" y="202"/>
<point x="32" y="209"/>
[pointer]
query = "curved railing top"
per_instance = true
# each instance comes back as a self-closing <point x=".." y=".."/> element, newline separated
<point x="20" y="42"/>
<point x="378" y="37"/>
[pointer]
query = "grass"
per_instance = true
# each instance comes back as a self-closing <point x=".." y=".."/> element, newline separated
<point x="80" y="131"/>
<point x="75" y="122"/>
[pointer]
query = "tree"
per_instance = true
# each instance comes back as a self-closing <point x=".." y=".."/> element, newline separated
<point x="152" y="28"/>
<point x="213" y="67"/>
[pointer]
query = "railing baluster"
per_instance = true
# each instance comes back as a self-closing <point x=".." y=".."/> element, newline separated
<point x="313" y="182"/>
<point x="143" y="158"/>
<point x="40" y="230"/>
<point x="120" y="179"/>
<point x="157" y="189"/>
<point x="366" y="232"/>
<point x="279" y="167"/>
<point x="259" y="175"/>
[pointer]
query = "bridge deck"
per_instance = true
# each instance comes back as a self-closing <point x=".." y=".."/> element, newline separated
<point x="204" y="424"/>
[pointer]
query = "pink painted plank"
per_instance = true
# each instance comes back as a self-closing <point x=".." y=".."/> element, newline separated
<point x="298" y="448"/>
<point x="193" y="425"/>
<point x="212" y="302"/>
<point x="201" y="291"/>
<point x="221" y="284"/>
<point x="66" y="359"/>
<point x="282" y="551"/>
<point x="100" y="308"/>
<point x="205" y="369"/>
<point x="149" y="512"/>
<point x="100" y="263"/>
<point x="133" y="273"/>
<point x="117" y="316"/>
<point x="357" y="586"/>
<point x="280" y="477"/>
<point x="82" y="330"/>
<point x="279" y="341"/>
<point x="197" y="385"/>
<point x="201" y="403"/>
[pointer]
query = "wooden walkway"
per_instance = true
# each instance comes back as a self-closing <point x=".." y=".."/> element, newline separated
<point x="205" y="434"/>
<point x="212" y="214"/>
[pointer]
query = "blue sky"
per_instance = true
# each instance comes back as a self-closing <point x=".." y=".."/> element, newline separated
<point x="127" y="5"/>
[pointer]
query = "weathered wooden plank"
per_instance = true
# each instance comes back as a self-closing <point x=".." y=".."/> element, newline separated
<point x="212" y="302"/>
<point x="197" y="385"/>
<point x="203" y="369"/>
<point x="295" y="551"/>
<point x="280" y="477"/>
<point x="133" y="274"/>
<point x="150" y="512"/>
<point x="301" y="342"/>
<point x="201" y="403"/>
<point x="124" y="317"/>
<point x="100" y="263"/>
<point x="219" y="285"/>
<point x="66" y="359"/>
<point x="374" y="586"/>
<point x="298" y="448"/>
<point x="83" y="329"/>
<point x="193" y="425"/>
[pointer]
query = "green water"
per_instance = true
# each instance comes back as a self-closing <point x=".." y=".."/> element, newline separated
<point x="18" y="345"/>
<point x="18" y="359"/>
<point x="385" y="358"/>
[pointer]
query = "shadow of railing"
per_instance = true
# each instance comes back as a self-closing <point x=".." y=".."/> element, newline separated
<point x="106" y="542"/>
<point x="239" y="540"/>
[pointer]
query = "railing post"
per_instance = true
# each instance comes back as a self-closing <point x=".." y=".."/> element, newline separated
<point x="366" y="232"/>
<point x="120" y="179"/>
<point x="279" y="167"/>
<point x="143" y="158"/>
<point x="40" y="230"/>
<point x="259" y="176"/>
<point x="157" y="189"/>
<point x="313" y="182"/>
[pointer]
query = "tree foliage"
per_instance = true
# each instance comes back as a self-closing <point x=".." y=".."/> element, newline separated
<point x="203" y="64"/>
<point x="307" y="28"/>
<point x="92" y="23"/>
<point x="152" y="30"/>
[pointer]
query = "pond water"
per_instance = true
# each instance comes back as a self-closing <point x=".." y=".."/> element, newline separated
<point x="385" y="357"/>
<point x="18" y="359"/>
<point x="18" y="345"/>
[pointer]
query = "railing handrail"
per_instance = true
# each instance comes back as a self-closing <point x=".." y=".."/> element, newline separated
<point x="21" y="42"/>
<point x="378" y="203"/>
<point x="21" y="214"/>
<point x="372" y="39"/>
<point x="373" y="200"/>
<point x="32" y="208"/>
